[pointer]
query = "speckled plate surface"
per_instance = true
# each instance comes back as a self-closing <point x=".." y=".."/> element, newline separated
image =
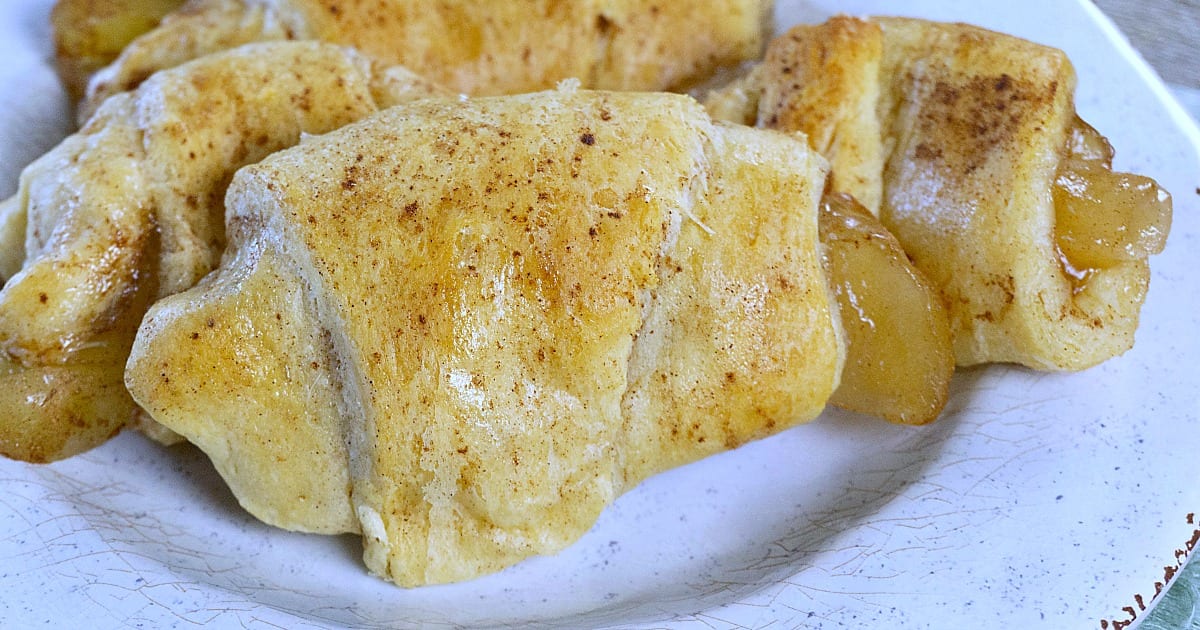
<point x="1039" y="500"/>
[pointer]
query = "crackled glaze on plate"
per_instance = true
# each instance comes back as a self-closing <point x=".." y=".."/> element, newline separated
<point x="1039" y="500"/>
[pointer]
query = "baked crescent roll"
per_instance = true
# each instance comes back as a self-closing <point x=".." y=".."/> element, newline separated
<point x="966" y="144"/>
<point x="465" y="352"/>
<point x="473" y="46"/>
<point x="130" y="209"/>
<point x="90" y="34"/>
<point x="900" y="357"/>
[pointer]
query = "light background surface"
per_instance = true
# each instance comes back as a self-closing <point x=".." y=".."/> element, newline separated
<point x="1167" y="34"/>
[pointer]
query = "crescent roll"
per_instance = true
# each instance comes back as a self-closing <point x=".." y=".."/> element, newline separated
<point x="130" y="209"/>
<point x="90" y="34"/>
<point x="473" y="46"/>
<point x="966" y="144"/>
<point x="465" y="352"/>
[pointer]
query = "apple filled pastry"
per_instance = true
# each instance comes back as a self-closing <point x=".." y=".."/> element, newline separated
<point x="470" y="46"/>
<point x="130" y="209"/>
<point x="459" y="306"/>
<point x="466" y="351"/>
<point x="965" y="143"/>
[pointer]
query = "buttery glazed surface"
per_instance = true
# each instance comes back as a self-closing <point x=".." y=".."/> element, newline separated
<point x="131" y="208"/>
<point x="474" y="46"/>
<point x="957" y="137"/>
<point x="464" y="327"/>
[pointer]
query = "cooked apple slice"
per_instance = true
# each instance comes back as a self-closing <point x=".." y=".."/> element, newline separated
<point x="899" y="355"/>
<point x="1104" y="218"/>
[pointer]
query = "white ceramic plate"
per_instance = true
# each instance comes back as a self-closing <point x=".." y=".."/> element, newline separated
<point x="1039" y="500"/>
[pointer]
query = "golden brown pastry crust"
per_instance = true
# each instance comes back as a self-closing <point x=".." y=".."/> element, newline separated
<point x="90" y="34"/>
<point x="821" y="80"/>
<point x="500" y="332"/>
<point x="960" y="134"/>
<point x="979" y="128"/>
<point x="474" y="46"/>
<point x="130" y="209"/>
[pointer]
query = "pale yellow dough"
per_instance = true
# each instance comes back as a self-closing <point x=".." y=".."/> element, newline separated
<point x="955" y="136"/>
<point x="130" y="209"/>
<point x="462" y="328"/>
<point x="473" y="46"/>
